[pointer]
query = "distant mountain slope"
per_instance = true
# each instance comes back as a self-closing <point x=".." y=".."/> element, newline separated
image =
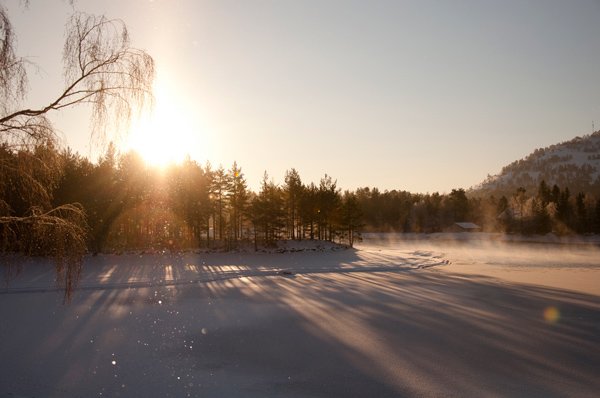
<point x="574" y="164"/>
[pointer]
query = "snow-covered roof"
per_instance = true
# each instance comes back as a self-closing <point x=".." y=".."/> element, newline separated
<point x="468" y="225"/>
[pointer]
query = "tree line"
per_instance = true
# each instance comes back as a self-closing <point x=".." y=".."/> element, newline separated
<point x="547" y="209"/>
<point x="129" y="205"/>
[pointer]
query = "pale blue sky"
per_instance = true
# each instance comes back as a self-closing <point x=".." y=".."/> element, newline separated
<point x="417" y="95"/>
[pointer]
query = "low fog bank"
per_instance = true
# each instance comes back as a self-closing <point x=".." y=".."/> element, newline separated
<point x="562" y="262"/>
<point x="481" y="237"/>
<point x="484" y="248"/>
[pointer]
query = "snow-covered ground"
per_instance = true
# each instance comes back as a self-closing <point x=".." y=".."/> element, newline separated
<point x="395" y="317"/>
<point x="132" y="270"/>
<point x="571" y="262"/>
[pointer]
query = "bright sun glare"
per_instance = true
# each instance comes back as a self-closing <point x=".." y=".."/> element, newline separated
<point x="167" y="134"/>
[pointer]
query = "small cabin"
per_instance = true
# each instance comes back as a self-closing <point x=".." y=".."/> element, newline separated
<point x="464" y="227"/>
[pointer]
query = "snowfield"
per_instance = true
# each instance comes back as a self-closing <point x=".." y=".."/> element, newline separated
<point x="571" y="262"/>
<point x="398" y="316"/>
<point x="132" y="270"/>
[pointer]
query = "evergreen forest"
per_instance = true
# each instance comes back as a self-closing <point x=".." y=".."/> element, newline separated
<point x="128" y="205"/>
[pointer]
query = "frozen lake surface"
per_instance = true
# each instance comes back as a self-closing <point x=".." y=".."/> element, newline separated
<point x="569" y="263"/>
<point x="398" y="317"/>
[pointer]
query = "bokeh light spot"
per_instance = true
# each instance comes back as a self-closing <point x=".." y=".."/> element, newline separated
<point x="551" y="314"/>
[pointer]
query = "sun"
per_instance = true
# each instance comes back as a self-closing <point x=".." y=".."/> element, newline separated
<point x="167" y="134"/>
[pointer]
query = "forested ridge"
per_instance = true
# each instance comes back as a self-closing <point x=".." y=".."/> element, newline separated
<point x="574" y="164"/>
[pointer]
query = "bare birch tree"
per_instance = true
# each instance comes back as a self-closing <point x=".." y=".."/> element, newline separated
<point x="101" y="71"/>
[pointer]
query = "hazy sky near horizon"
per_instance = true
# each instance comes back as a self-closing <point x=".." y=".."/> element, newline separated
<point x="416" y="95"/>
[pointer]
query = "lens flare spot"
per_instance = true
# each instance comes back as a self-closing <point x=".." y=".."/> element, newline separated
<point x="551" y="314"/>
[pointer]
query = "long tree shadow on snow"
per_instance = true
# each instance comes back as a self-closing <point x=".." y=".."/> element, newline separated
<point x="350" y="331"/>
<point x="398" y="334"/>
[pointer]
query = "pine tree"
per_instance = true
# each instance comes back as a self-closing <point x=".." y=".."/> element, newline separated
<point x="544" y="193"/>
<point x="267" y="211"/>
<point x="541" y="219"/>
<point x="292" y="192"/>
<point x="328" y="199"/>
<point x="237" y="197"/>
<point x="210" y="205"/>
<point x="190" y="195"/>
<point x="308" y="209"/>
<point x="219" y="190"/>
<point x="350" y="215"/>
<point x="581" y="213"/>
<point x="563" y="206"/>
<point x="458" y="205"/>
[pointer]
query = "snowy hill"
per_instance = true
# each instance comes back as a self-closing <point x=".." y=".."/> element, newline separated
<point x="574" y="164"/>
